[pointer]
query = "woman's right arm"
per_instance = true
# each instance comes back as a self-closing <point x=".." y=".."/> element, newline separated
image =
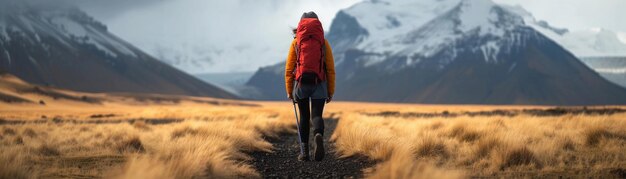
<point x="330" y="70"/>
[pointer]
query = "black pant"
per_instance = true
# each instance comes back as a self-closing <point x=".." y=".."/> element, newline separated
<point x="313" y="115"/>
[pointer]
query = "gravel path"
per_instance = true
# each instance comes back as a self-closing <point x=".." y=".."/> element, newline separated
<point x="283" y="163"/>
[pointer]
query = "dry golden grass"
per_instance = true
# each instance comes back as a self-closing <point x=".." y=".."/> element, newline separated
<point x="208" y="140"/>
<point x="211" y="141"/>
<point x="464" y="146"/>
<point x="115" y="135"/>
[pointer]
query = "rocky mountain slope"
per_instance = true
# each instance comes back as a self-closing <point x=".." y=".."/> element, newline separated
<point x="64" y="47"/>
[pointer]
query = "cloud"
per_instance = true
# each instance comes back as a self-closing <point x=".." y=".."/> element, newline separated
<point x="234" y="35"/>
<point x="8" y="5"/>
<point x="611" y="70"/>
<point x="242" y="35"/>
<point x="108" y="9"/>
<point x="99" y="8"/>
<point x="203" y="35"/>
<point x="622" y="36"/>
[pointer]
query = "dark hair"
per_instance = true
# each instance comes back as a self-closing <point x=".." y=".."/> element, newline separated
<point x="310" y="14"/>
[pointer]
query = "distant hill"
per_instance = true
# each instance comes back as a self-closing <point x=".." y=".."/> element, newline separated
<point x="269" y="83"/>
<point x="64" y="47"/>
<point x="13" y="90"/>
<point x="450" y="52"/>
<point x="611" y="68"/>
<point x="232" y="82"/>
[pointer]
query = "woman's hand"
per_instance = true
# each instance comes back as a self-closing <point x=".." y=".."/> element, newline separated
<point x="290" y="96"/>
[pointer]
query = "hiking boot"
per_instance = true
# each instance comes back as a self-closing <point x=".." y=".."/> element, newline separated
<point x="318" y="151"/>
<point x="304" y="152"/>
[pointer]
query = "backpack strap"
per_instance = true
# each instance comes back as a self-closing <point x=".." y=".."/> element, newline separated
<point x="297" y="49"/>
<point x="323" y="66"/>
<point x="295" y="71"/>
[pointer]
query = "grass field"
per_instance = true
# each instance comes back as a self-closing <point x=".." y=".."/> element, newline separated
<point x="210" y="144"/>
<point x="153" y="136"/>
<point x="482" y="146"/>
<point x="409" y="141"/>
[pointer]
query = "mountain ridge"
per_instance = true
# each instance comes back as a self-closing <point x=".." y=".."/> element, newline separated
<point x="65" y="47"/>
<point x="453" y="59"/>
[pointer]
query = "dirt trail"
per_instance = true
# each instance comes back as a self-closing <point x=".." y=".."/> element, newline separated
<point x="282" y="163"/>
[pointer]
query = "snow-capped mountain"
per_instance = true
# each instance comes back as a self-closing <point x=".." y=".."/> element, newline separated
<point x="601" y="49"/>
<point x="65" y="26"/>
<point x="198" y="58"/>
<point x="480" y="18"/>
<point x="450" y="51"/>
<point x="595" y="42"/>
<point x="64" y="47"/>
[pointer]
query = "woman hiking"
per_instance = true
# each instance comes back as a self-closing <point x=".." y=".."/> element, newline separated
<point x="310" y="81"/>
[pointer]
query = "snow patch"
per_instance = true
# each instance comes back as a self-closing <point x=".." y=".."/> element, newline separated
<point x="386" y="19"/>
<point x="37" y="37"/>
<point x="3" y="29"/>
<point x="86" y="34"/>
<point x="372" y="60"/>
<point x="512" y="67"/>
<point x="8" y="55"/>
<point x="478" y="14"/>
<point x="26" y="23"/>
<point x="102" y="48"/>
<point x="3" y="33"/>
<point x="32" y="60"/>
<point x="596" y="29"/>
<point x="106" y="39"/>
<point x="490" y="51"/>
<point x="611" y="70"/>
<point x="622" y="37"/>
<point x="70" y="27"/>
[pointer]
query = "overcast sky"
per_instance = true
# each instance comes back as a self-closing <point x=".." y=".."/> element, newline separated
<point x="248" y="34"/>
<point x="228" y="35"/>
